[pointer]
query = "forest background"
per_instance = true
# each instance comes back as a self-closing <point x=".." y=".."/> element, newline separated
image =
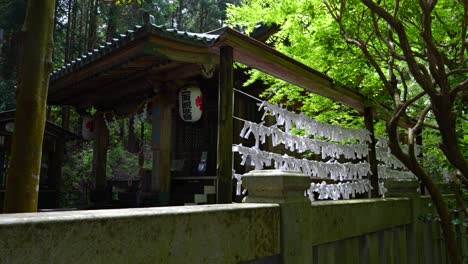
<point x="308" y="33"/>
<point x="340" y="38"/>
<point x="408" y="57"/>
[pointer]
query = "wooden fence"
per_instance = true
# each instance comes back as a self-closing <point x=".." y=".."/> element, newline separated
<point x="286" y="228"/>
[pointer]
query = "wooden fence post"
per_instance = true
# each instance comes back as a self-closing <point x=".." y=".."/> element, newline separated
<point x="372" y="157"/>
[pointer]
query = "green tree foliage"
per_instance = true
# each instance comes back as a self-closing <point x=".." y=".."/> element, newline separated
<point x="408" y="56"/>
<point x="308" y="34"/>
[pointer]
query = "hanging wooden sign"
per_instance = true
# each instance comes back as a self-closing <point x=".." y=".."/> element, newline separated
<point x="87" y="128"/>
<point x="190" y="104"/>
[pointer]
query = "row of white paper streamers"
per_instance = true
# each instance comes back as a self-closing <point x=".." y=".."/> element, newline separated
<point x="137" y="117"/>
<point x="332" y="169"/>
<point x="302" y="143"/>
<point x="344" y="190"/>
<point x="389" y="159"/>
<point x="311" y="126"/>
<point x="238" y="178"/>
<point x="386" y="172"/>
<point x="382" y="189"/>
<point x="382" y="142"/>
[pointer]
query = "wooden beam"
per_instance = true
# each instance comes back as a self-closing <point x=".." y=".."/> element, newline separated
<point x="224" y="144"/>
<point x="180" y="52"/>
<point x="184" y="72"/>
<point x="100" y="145"/>
<point x="105" y="62"/>
<point x="372" y="157"/>
<point x="264" y="58"/>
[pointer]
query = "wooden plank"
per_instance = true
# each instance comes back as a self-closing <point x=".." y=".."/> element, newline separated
<point x="100" y="145"/>
<point x="429" y="255"/>
<point x="382" y="252"/>
<point x="116" y="57"/>
<point x="315" y="253"/>
<point x="181" y="52"/>
<point x="326" y="253"/>
<point x="262" y="57"/>
<point x="352" y="250"/>
<point x="225" y="126"/>
<point x="364" y="249"/>
<point x="440" y="244"/>
<point x="388" y="248"/>
<point x="372" y="157"/>
<point x="399" y="245"/>
<point x="183" y="72"/>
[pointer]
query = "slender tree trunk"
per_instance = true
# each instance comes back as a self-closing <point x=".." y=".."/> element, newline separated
<point x="57" y="2"/>
<point x="446" y="120"/>
<point x="179" y="14"/>
<point x="67" y="36"/>
<point x="131" y="139"/>
<point x="80" y="30"/>
<point x="111" y="22"/>
<point x="66" y="117"/>
<point x="92" y="30"/>
<point x="85" y="14"/>
<point x="73" y="32"/>
<point x="24" y="170"/>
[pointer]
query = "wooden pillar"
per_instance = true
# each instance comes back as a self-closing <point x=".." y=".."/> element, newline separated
<point x="161" y="145"/>
<point x="2" y="162"/>
<point x="100" y="145"/>
<point x="224" y="144"/>
<point x="66" y="117"/>
<point x="56" y="169"/>
<point x="372" y="157"/>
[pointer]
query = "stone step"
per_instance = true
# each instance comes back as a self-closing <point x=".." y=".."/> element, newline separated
<point x="207" y="189"/>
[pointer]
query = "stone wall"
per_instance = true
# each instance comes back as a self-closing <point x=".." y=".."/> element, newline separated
<point x="231" y="233"/>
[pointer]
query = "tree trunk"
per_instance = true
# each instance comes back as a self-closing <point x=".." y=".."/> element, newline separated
<point x="111" y="22"/>
<point x="92" y="29"/>
<point x="446" y="121"/>
<point x="441" y="206"/>
<point x="131" y="139"/>
<point x="67" y="35"/>
<point x="24" y="170"/>
<point x="73" y="32"/>
<point x="179" y="15"/>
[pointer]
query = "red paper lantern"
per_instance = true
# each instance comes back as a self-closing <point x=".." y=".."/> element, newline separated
<point x="88" y="128"/>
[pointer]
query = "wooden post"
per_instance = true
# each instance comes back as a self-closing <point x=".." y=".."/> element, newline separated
<point x="161" y="141"/>
<point x="372" y="157"/>
<point x="224" y="145"/>
<point x="419" y="141"/>
<point x="156" y="144"/>
<point x="101" y="142"/>
<point x="66" y="117"/>
<point x="57" y="162"/>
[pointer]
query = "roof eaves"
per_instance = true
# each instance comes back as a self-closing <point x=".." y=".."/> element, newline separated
<point x="199" y="39"/>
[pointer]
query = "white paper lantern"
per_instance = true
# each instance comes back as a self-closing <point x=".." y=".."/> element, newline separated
<point x="190" y="103"/>
<point x="88" y="127"/>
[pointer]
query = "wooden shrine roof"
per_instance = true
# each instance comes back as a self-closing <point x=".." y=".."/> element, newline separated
<point x="51" y="129"/>
<point x="130" y="67"/>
